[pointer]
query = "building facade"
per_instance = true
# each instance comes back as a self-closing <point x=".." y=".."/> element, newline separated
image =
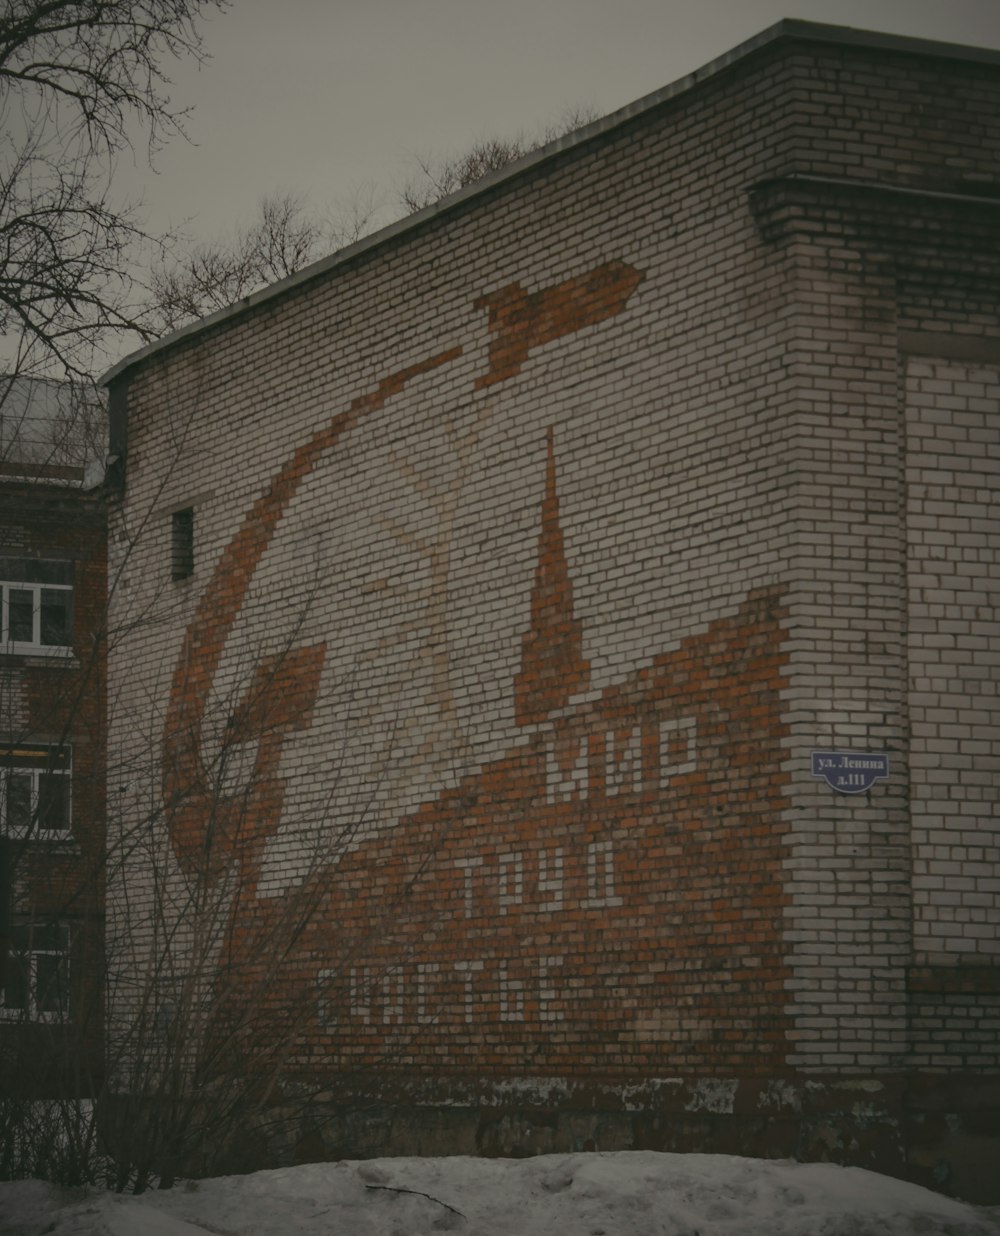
<point x="53" y="581"/>
<point x="568" y="627"/>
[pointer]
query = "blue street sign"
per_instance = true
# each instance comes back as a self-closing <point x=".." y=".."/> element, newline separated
<point x="850" y="772"/>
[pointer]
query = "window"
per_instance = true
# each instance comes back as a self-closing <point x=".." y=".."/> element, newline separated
<point x="182" y="544"/>
<point x="36" y="977"/>
<point x="36" y="609"/>
<point x="36" y="791"/>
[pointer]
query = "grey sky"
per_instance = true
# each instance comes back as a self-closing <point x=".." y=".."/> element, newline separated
<point x="322" y="96"/>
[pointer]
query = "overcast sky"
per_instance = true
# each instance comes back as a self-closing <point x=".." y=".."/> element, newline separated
<point x="324" y="96"/>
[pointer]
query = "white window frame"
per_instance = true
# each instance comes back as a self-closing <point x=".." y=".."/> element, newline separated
<point x="28" y="955"/>
<point x="22" y="760"/>
<point x="34" y="646"/>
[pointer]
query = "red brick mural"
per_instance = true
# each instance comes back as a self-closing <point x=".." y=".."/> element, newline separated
<point x="523" y="321"/>
<point x="606" y="895"/>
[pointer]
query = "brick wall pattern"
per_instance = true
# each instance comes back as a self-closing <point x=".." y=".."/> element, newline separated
<point x="565" y="525"/>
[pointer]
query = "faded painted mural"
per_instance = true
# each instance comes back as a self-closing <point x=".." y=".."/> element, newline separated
<point x="611" y="885"/>
<point x="539" y="543"/>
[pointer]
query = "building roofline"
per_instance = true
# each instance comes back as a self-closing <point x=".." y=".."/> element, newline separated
<point x="788" y="29"/>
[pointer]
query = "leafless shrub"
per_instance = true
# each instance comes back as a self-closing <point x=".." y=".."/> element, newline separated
<point x="437" y="178"/>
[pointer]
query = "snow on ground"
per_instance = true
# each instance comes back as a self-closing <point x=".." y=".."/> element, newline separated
<point x="636" y="1193"/>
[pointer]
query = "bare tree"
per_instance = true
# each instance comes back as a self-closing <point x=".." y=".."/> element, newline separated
<point x="202" y="1019"/>
<point x="77" y="81"/>
<point x="200" y="1022"/>
<point x="207" y="979"/>
<point x="436" y="178"/>
<point x="204" y="1016"/>
<point x="166" y="1045"/>
<point x="287" y="234"/>
<point x="80" y="81"/>
<point x="284" y="237"/>
<point x="205" y="996"/>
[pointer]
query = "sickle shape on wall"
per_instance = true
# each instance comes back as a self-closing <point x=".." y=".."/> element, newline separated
<point x="208" y="828"/>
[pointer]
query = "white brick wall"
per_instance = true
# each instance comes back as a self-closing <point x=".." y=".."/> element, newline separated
<point x="953" y="649"/>
<point x="741" y="424"/>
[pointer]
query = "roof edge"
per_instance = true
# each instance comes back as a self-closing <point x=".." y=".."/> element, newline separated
<point x="788" y="29"/>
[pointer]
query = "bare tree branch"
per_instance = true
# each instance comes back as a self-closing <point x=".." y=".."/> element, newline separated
<point x="78" y="82"/>
<point x="100" y="64"/>
<point x="214" y="276"/>
<point x="286" y="235"/>
<point x="436" y="178"/>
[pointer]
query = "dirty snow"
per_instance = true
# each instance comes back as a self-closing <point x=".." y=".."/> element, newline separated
<point x="637" y="1193"/>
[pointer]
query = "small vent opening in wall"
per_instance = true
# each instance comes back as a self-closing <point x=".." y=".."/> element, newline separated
<point x="182" y="544"/>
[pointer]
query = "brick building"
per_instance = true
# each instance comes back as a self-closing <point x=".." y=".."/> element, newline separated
<point x="571" y="608"/>
<point x="53" y="583"/>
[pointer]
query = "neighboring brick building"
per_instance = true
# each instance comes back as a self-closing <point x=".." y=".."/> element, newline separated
<point x="53" y="581"/>
<point x="502" y="575"/>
